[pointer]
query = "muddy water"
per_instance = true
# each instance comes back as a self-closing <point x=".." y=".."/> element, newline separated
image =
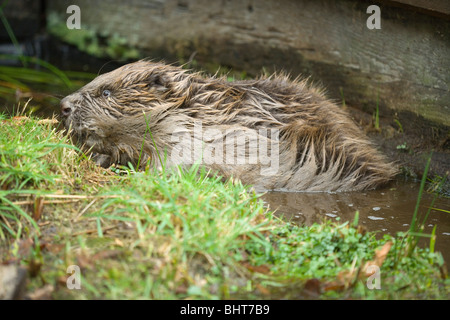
<point x="387" y="210"/>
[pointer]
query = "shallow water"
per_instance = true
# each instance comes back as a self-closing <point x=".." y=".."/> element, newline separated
<point x="386" y="210"/>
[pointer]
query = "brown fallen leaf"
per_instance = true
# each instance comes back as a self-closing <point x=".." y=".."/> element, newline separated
<point x="333" y="286"/>
<point x="44" y="293"/>
<point x="443" y="270"/>
<point x="182" y="289"/>
<point x="94" y="230"/>
<point x="344" y="279"/>
<point x="361" y="230"/>
<point x="312" y="287"/>
<point x="118" y="242"/>
<point x="20" y="119"/>
<point x="380" y="256"/>
<point x="48" y="121"/>
<point x="38" y="207"/>
<point x="85" y="260"/>
<point x="262" y="289"/>
<point x="34" y="268"/>
<point x="107" y="254"/>
<point x="347" y="278"/>
<point x="52" y="247"/>
<point x="260" y="269"/>
<point x="4" y="186"/>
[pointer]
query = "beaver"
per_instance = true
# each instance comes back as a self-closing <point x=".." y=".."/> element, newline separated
<point x="272" y="132"/>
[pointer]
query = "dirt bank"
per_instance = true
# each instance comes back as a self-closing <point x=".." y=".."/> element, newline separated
<point x="409" y="142"/>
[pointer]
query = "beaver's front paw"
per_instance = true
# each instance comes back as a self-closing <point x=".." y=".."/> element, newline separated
<point x="102" y="160"/>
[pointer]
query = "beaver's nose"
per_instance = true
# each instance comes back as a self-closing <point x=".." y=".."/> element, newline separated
<point x="66" y="108"/>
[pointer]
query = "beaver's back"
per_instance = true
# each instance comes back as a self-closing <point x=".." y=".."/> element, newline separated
<point x="331" y="152"/>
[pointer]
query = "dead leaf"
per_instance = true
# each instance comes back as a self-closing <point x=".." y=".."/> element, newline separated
<point x="182" y="289"/>
<point x="347" y="278"/>
<point x="20" y="119"/>
<point x="34" y="267"/>
<point x="344" y="279"/>
<point x="262" y="289"/>
<point x="62" y="280"/>
<point x="361" y="230"/>
<point x="443" y="270"/>
<point x="44" y="293"/>
<point x="312" y="287"/>
<point x="380" y="256"/>
<point x="105" y="229"/>
<point x="334" y="286"/>
<point x="55" y="248"/>
<point x="118" y="242"/>
<point x="260" y="269"/>
<point x="84" y="260"/>
<point x="107" y="254"/>
<point x="48" y="121"/>
<point x="38" y="206"/>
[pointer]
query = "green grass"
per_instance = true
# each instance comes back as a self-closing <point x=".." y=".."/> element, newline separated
<point x="177" y="234"/>
<point x="400" y="127"/>
<point x="418" y="220"/>
<point x="24" y="160"/>
<point x="341" y="90"/>
<point x="377" y="114"/>
<point x="24" y="150"/>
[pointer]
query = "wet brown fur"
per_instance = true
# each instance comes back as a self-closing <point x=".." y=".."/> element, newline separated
<point x="320" y="148"/>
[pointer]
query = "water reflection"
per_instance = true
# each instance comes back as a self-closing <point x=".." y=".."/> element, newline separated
<point x="387" y="210"/>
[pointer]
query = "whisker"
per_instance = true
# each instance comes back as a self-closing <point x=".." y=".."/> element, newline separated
<point x="105" y="64"/>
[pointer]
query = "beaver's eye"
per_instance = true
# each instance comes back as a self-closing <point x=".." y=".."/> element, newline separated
<point x="106" y="93"/>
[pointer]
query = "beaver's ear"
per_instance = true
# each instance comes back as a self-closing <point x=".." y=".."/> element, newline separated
<point x="156" y="81"/>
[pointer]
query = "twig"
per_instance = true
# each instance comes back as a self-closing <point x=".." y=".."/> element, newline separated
<point x="84" y="210"/>
<point x="93" y="231"/>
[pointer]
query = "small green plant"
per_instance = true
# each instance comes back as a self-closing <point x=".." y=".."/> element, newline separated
<point x="400" y="127"/>
<point x="343" y="98"/>
<point x="377" y="114"/>
<point x="439" y="185"/>
<point x="417" y="226"/>
<point x="403" y="147"/>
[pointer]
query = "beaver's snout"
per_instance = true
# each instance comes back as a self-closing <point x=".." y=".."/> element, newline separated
<point x="66" y="108"/>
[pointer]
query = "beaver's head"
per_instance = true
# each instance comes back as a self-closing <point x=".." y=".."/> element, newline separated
<point x="109" y="115"/>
